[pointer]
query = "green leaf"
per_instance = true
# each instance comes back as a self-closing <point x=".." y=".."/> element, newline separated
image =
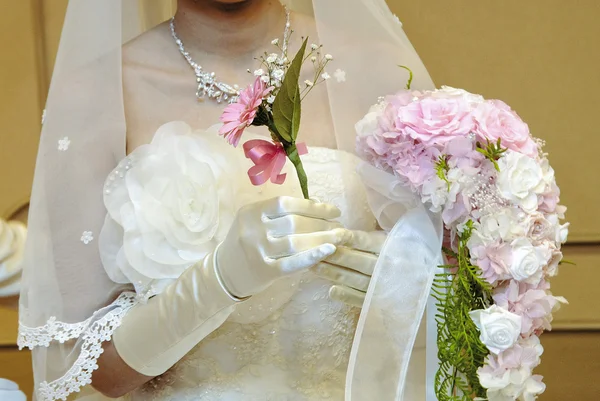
<point x="286" y="107"/>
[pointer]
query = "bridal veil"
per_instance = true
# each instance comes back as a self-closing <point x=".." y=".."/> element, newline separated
<point x="69" y="305"/>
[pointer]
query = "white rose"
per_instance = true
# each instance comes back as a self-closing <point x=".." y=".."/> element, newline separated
<point x="168" y="203"/>
<point x="520" y="180"/>
<point x="499" y="328"/>
<point x="369" y="123"/>
<point x="528" y="261"/>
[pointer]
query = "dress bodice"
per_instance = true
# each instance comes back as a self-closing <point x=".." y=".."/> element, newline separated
<point x="291" y="342"/>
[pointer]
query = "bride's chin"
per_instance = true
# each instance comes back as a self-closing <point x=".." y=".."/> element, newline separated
<point x="228" y="1"/>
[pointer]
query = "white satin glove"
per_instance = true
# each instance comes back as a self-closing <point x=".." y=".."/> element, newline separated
<point x="350" y="268"/>
<point x="267" y="240"/>
<point x="275" y="238"/>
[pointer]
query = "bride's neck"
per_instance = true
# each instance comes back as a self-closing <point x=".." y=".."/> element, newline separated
<point x="228" y="28"/>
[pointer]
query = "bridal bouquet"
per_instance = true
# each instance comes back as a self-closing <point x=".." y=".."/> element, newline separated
<point x="274" y="101"/>
<point x="474" y="161"/>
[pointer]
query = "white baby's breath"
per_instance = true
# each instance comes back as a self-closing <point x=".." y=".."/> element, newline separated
<point x="278" y="74"/>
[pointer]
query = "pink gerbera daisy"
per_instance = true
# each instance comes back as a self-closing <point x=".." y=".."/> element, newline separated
<point x="237" y="116"/>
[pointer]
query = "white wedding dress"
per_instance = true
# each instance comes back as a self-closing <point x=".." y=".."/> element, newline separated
<point x="291" y="342"/>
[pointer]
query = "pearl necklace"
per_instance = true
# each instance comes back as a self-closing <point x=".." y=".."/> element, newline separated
<point x="208" y="84"/>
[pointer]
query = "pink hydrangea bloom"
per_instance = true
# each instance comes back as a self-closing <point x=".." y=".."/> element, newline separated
<point x="463" y="154"/>
<point x="493" y="260"/>
<point x="495" y="120"/>
<point x="391" y="149"/>
<point x="238" y="116"/>
<point x="533" y="303"/>
<point x="509" y="374"/>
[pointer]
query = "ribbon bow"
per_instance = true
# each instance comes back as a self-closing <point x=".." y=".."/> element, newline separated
<point x="269" y="159"/>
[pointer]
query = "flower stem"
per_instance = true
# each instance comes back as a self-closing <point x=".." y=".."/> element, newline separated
<point x="292" y="153"/>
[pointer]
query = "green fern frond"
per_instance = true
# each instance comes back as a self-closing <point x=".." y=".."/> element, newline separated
<point x="441" y="168"/>
<point x="460" y="351"/>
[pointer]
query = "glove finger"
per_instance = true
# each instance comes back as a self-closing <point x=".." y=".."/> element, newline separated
<point x="347" y="295"/>
<point x="341" y="275"/>
<point x="286" y="205"/>
<point x="367" y="241"/>
<point x="362" y="262"/>
<point x="302" y="260"/>
<point x="295" y="224"/>
<point x="291" y="244"/>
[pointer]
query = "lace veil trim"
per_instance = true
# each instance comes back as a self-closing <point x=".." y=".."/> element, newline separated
<point x="92" y="333"/>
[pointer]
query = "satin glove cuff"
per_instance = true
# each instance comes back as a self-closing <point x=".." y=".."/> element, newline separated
<point x="179" y="318"/>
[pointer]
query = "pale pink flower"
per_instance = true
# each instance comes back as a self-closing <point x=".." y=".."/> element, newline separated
<point x="548" y="201"/>
<point x="456" y="210"/>
<point x="462" y="154"/>
<point x="525" y="353"/>
<point x="434" y="120"/>
<point x="403" y="98"/>
<point x="552" y="269"/>
<point x="534" y="304"/>
<point x="392" y="150"/>
<point x="508" y="376"/>
<point x="238" y="116"/>
<point x="495" y="120"/>
<point x="493" y="260"/>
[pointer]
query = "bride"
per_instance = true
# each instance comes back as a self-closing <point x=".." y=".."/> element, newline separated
<point x="154" y="269"/>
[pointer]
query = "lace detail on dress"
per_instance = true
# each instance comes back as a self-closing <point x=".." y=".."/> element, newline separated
<point x="53" y="330"/>
<point x="92" y="334"/>
<point x="306" y="344"/>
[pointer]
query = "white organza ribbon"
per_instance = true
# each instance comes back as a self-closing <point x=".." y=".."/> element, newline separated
<point x="381" y="367"/>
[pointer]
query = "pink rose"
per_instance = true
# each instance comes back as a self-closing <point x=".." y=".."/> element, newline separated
<point x="435" y="121"/>
<point x="495" y="120"/>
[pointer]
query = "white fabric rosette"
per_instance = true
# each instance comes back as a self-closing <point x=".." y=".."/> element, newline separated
<point x="398" y="295"/>
<point x="169" y="203"/>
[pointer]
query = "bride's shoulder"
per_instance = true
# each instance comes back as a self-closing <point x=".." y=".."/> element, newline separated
<point x="151" y="49"/>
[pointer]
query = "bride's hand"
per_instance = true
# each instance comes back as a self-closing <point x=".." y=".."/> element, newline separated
<point x="274" y="238"/>
<point x="351" y="266"/>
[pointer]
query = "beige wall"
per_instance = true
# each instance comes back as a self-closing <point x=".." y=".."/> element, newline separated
<point x="540" y="56"/>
